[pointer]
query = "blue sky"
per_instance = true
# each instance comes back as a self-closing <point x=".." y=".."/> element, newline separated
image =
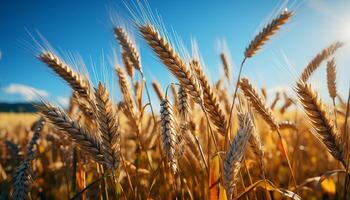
<point x="84" y="27"/>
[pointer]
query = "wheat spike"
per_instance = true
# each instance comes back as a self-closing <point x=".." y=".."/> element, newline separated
<point x="234" y="156"/>
<point x="128" y="46"/>
<point x="158" y="90"/>
<point x="318" y="59"/>
<point x="266" y="33"/>
<point x="85" y="140"/>
<point x="325" y="129"/>
<point x="226" y="66"/>
<point x="172" y="60"/>
<point x="126" y="92"/>
<point x="258" y="103"/>
<point x="211" y="103"/>
<point x="168" y="133"/>
<point x="331" y="78"/>
<point x="128" y="65"/>
<point x="107" y="121"/>
<point x="254" y="140"/>
<point x="22" y="178"/>
<point x="76" y="81"/>
<point x="183" y="106"/>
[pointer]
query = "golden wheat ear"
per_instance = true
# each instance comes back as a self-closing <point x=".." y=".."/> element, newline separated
<point x="318" y="59"/>
<point x="211" y="102"/>
<point x="85" y="140"/>
<point x="158" y="90"/>
<point x="77" y="82"/>
<point x="168" y="134"/>
<point x="108" y="125"/>
<point x="324" y="127"/>
<point x="234" y="155"/>
<point x="266" y="33"/>
<point x="128" y="47"/>
<point x="172" y="61"/>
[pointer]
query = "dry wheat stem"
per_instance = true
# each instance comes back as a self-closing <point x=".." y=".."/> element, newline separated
<point x="211" y="103"/>
<point x="324" y="127"/>
<point x="318" y="59"/>
<point x="172" y="61"/>
<point x="266" y="33"/>
<point x="108" y="125"/>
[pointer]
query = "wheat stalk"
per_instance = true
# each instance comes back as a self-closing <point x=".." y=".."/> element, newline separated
<point x="172" y="61"/>
<point x="266" y="33"/>
<point x="168" y="134"/>
<point x="108" y="125"/>
<point x="234" y="156"/>
<point x="211" y="104"/>
<point x="325" y="129"/>
<point x="85" y="140"/>
<point x="318" y="59"/>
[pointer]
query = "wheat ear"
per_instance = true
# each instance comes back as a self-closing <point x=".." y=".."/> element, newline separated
<point x="75" y="80"/>
<point x="128" y="46"/>
<point x="266" y="33"/>
<point x="183" y="106"/>
<point x="226" y="66"/>
<point x="126" y="92"/>
<point x="158" y="90"/>
<point x="211" y="103"/>
<point x="324" y="127"/>
<point x="128" y="64"/>
<point x="85" y="140"/>
<point x="108" y="125"/>
<point x="318" y="59"/>
<point x="331" y="78"/>
<point x="234" y="156"/>
<point x="22" y="178"/>
<point x="286" y="124"/>
<point x="168" y="133"/>
<point x="172" y="61"/>
<point x="258" y="103"/>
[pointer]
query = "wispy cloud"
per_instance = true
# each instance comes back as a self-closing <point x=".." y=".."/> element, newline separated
<point x="64" y="101"/>
<point x="27" y="92"/>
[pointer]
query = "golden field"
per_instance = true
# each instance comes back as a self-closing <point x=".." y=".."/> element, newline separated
<point x="221" y="140"/>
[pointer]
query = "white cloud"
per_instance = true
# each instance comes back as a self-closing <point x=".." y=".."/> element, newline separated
<point x="27" y="92"/>
<point x="64" y="101"/>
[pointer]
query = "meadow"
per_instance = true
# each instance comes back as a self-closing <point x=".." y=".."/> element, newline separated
<point x="210" y="140"/>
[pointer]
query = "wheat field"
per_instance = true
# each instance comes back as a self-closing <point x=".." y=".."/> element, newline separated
<point x="209" y="140"/>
